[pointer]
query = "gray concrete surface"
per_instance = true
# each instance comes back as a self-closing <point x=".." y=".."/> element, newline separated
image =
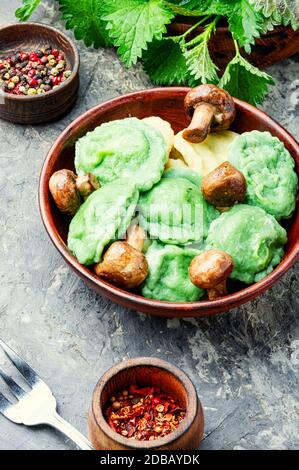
<point x="244" y="364"/>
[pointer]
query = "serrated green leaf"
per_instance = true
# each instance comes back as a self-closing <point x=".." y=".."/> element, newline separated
<point x="85" y="18"/>
<point x="165" y="64"/>
<point x="24" y="12"/>
<point x="244" y="81"/>
<point x="245" y="24"/>
<point x="198" y="58"/>
<point x="132" y="24"/>
<point x="278" y="12"/>
<point x="186" y="9"/>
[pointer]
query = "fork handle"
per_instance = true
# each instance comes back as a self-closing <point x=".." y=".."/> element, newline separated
<point x="57" y="422"/>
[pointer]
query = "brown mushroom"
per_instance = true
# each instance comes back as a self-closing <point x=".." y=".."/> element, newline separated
<point x="123" y="265"/>
<point x="224" y="186"/>
<point x="86" y="184"/>
<point x="210" y="108"/>
<point x="210" y="270"/>
<point x="63" y="188"/>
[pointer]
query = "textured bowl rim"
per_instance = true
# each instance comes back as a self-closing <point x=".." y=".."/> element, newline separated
<point x="224" y="303"/>
<point x="63" y="85"/>
<point x="193" y="406"/>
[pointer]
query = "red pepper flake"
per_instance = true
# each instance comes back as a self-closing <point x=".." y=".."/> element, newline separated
<point x="144" y="413"/>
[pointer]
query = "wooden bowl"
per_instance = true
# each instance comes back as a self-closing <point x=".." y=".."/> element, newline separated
<point x="274" y="46"/>
<point x="45" y="107"/>
<point x="168" y="104"/>
<point x="146" y="371"/>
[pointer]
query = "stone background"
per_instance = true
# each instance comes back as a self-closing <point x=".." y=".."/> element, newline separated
<point x="244" y="364"/>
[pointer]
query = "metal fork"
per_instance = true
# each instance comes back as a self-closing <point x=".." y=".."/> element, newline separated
<point x="37" y="406"/>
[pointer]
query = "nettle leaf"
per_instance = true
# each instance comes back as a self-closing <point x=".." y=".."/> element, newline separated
<point x="85" y="18"/>
<point x="198" y="57"/>
<point x="245" y="24"/>
<point x="200" y="64"/>
<point x="189" y="7"/>
<point x="166" y="65"/>
<point x="242" y="80"/>
<point x="278" y="12"/>
<point x="24" y="12"/>
<point x="132" y="24"/>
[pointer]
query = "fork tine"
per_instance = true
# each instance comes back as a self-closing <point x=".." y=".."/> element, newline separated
<point x="14" y="387"/>
<point x="28" y="373"/>
<point x="4" y="404"/>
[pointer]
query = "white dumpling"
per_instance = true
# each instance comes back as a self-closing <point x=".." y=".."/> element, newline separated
<point x="164" y="127"/>
<point x="207" y="155"/>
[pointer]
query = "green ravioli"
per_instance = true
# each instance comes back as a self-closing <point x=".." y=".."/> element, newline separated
<point x="104" y="216"/>
<point x="253" y="238"/>
<point x="269" y="171"/>
<point x="168" y="277"/>
<point x="174" y="210"/>
<point x="123" y="148"/>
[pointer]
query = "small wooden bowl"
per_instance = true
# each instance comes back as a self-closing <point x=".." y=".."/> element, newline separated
<point x="37" y="109"/>
<point x="272" y="47"/>
<point x="168" y="104"/>
<point x="146" y="371"/>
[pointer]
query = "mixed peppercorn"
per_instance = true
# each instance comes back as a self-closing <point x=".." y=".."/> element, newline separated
<point x="32" y="73"/>
<point x="143" y="414"/>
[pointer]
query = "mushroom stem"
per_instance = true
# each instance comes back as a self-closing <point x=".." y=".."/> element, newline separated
<point x="218" y="291"/>
<point x="136" y="237"/>
<point x="87" y="184"/>
<point x="200" y="124"/>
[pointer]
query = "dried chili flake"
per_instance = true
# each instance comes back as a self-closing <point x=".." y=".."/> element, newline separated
<point x="143" y="413"/>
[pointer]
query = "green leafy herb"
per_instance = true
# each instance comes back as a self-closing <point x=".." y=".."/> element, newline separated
<point x="166" y="65"/>
<point x="245" y="24"/>
<point x="243" y="80"/>
<point x="85" y="18"/>
<point x="198" y="59"/>
<point x="132" y="24"/>
<point x="277" y="12"/>
<point x="138" y="29"/>
<point x="23" y="13"/>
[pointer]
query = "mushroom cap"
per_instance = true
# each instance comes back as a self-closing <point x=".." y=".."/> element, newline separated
<point x="123" y="265"/>
<point x="222" y="102"/>
<point x="224" y="186"/>
<point x="62" y="185"/>
<point x="210" y="268"/>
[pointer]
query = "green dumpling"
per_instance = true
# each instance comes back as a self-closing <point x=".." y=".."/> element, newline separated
<point x="174" y="210"/>
<point x="186" y="173"/>
<point x="104" y="216"/>
<point x="253" y="238"/>
<point x="123" y="148"/>
<point x="168" y="277"/>
<point x="269" y="171"/>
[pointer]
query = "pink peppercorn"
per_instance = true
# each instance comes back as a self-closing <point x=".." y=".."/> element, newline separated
<point x="31" y="73"/>
<point x="33" y="82"/>
<point x="56" y="80"/>
<point x="32" y="56"/>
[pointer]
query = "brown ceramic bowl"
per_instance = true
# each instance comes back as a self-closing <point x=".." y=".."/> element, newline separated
<point x="168" y="104"/>
<point x="37" y="109"/>
<point x="146" y="371"/>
